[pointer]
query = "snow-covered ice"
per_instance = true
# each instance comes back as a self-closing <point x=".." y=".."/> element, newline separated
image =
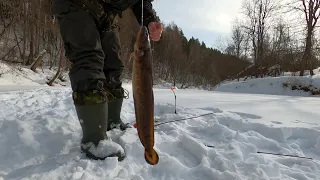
<point x="40" y="135"/>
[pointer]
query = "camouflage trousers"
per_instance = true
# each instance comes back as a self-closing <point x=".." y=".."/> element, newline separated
<point x="94" y="54"/>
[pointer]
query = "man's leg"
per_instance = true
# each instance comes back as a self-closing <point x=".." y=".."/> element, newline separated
<point x="113" y="68"/>
<point x="83" y="48"/>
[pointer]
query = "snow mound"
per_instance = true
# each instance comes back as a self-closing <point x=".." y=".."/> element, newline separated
<point x="24" y="76"/>
<point x="285" y="85"/>
<point x="40" y="137"/>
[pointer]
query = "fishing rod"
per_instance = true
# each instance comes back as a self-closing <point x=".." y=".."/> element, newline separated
<point x="175" y="100"/>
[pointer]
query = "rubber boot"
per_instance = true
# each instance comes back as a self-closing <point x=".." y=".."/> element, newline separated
<point x="115" y="97"/>
<point x="114" y="120"/>
<point x="95" y="143"/>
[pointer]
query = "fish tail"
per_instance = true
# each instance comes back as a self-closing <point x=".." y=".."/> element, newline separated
<point x="151" y="157"/>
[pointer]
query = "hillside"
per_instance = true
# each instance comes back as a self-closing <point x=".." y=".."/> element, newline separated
<point x="23" y="76"/>
<point x="283" y="85"/>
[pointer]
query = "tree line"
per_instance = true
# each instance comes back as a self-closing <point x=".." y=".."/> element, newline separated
<point x="275" y="32"/>
<point x="184" y="62"/>
<point x="260" y="39"/>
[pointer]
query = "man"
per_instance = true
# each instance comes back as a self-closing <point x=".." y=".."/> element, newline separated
<point x="91" y="43"/>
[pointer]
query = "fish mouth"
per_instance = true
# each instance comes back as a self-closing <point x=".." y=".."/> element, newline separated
<point x="143" y="34"/>
<point x="143" y="40"/>
<point x="144" y="31"/>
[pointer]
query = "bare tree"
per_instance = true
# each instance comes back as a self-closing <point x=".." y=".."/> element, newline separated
<point x="27" y="30"/>
<point x="311" y="12"/>
<point x="238" y="38"/>
<point x="237" y="45"/>
<point x="50" y="83"/>
<point x="257" y="13"/>
<point x="281" y="44"/>
<point x="26" y="27"/>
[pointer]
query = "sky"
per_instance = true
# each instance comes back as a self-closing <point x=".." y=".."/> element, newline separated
<point x="207" y="20"/>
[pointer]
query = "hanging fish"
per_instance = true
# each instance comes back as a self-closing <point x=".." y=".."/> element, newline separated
<point x="142" y="86"/>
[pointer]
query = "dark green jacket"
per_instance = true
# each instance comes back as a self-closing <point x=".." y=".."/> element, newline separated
<point x="97" y="6"/>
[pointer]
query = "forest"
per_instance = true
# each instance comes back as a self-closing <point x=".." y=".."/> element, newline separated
<point x="267" y="35"/>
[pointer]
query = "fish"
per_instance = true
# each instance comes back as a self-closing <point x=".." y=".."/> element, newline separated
<point x="143" y="97"/>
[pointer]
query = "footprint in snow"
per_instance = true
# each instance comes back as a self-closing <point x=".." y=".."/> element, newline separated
<point x="276" y="122"/>
<point x="163" y="109"/>
<point x="298" y="121"/>
<point x="214" y="110"/>
<point x="186" y="150"/>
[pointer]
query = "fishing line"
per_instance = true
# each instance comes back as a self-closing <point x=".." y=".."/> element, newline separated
<point x="278" y="154"/>
<point x="142" y="12"/>
<point x="184" y="119"/>
<point x="275" y="154"/>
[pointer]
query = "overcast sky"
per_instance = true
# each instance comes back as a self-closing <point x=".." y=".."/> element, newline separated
<point x="206" y="20"/>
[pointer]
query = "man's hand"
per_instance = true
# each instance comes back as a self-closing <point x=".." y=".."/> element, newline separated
<point x="155" y="30"/>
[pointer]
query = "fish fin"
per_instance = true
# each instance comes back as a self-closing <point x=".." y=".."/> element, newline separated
<point x="131" y="56"/>
<point x="139" y="53"/>
<point x="151" y="157"/>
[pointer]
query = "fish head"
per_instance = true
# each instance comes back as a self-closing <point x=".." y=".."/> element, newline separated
<point x="143" y="40"/>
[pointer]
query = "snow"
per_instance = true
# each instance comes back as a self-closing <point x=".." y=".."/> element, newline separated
<point x="24" y="77"/>
<point x="40" y="135"/>
<point x="273" y="85"/>
<point x="105" y="148"/>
